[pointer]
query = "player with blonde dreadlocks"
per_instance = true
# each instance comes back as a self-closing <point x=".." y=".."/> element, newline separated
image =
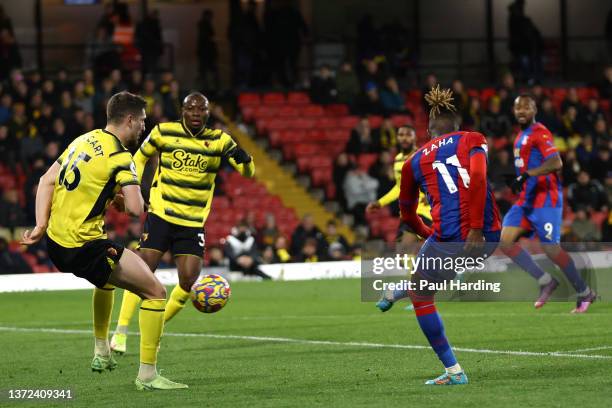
<point x="451" y="169"/>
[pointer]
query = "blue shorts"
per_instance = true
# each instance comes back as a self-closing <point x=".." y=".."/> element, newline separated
<point x="433" y="249"/>
<point x="545" y="222"/>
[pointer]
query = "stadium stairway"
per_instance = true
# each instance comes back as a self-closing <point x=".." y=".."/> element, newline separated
<point x="278" y="181"/>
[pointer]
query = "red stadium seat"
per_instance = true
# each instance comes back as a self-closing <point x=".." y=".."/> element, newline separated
<point x="248" y="98"/>
<point x="273" y="98"/>
<point x="401" y="120"/>
<point x="375" y="121"/>
<point x="364" y="161"/>
<point x="288" y="111"/>
<point x="298" y="98"/>
<point x="321" y="177"/>
<point x="313" y="111"/>
<point x="337" y="110"/>
<point x="337" y="135"/>
<point x="348" y="122"/>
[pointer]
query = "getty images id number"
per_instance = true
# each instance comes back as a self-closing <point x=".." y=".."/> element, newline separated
<point x="39" y="394"/>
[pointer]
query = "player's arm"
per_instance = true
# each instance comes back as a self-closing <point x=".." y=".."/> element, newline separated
<point x="409" y="201"/>
<point x="44" y="198"/>
<point x="387" y="199"/>
<point x="238" y="157"/>
<point x="148" y="149"/>
<point x="477" y="197"/>
<point x="127" y="178"/>
<point x="552" y="161"/>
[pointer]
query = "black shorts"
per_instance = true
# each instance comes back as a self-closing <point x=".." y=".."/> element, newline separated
<point x="405" y="228"/>
<point x="162" y="235"/>
<point x="90" y="261"/>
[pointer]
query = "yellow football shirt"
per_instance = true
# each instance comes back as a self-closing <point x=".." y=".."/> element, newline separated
<point x="93" y="168"/>
<point x="423" y="209"/>
<point x="184" y="182"/>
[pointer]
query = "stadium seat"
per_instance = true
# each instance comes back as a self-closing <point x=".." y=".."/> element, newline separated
<point x="401" y="120"/>
<point x="248" y="98"/>
<point x="375" y="121"/>
<point x="364" y="161"/>
<point x="312" y="111"/>
<point x="336" y="110"/>
<point x="298" y="98"/>
<point x="273" y="98"/>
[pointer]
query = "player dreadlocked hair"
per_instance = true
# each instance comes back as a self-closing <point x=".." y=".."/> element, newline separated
<point x="442" y="115"/>
<point x="440" y="100"/>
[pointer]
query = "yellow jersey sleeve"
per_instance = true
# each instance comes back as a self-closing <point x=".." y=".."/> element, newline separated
<point x="151" y="145"/>
<point x="125" y="169"/>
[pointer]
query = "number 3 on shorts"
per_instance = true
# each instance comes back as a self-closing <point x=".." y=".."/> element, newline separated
<point x="201" y="241"/>
<point x="548" y="227"/>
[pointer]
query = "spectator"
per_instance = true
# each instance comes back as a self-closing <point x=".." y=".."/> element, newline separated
<point x="6" y="103"/>
<point x="81" y="99"/>
<point x="101" y="53"/>
<point x="387" y="134"/>
<point x="11" y="213"/>
<point x="586" y="193"/>
<point x="8" y="147"/>
<point x="335" y="241"/>
<point x="501" y="169"/>
<point x="173" y="102"/>
<point x="62" y="83"/>
<point x="571" y="168"/>
<point x="461" y="99"/>
<point x="362" y="139"/>
<point x="495" y="123"/>
<point x="268" y="256"/>
<point x="52" y="153"/>
<point x="391" y="98"/>
<point x="347" y="84"/>
<point x="12" y="262"/>
<point x="88" y="79"/>
<point x="65" y="110"/>
<point x="472" y="115"/>
<point x="31" y="185"/>
<point x="149" y="41"/>
<point x="592" y="113"/>
<point x="571" y="130"/>
<point x="216" y="258"/>
<point x="135" y="82"/>
<point x="5" y="21"/>
<point x="369" y="102"/>
<point x="583" y="229"/>
<point x="359" y="189"/>
<point x="525" y="42"/>
<point x="323" y="86"/>
<point x="207" y="51"/>
<point x="305" y="230"/>
<point x="430" y="82"/>
<point x="605" y="88"/>
<point x="379" y="168"/>
<point x="9" y="53"/>
<point x="49" y="93"/>
<point x="245" y="36"/>
<point x="241" y="250"/>
<point x="548" y="117"/>
<point x="268" y="234"/>
<point x="571" y="99"/>
<point x="309" y="252"/>
<point x="601" y="165"/>
<point x="341" y="167"/>
<point x="600" y="134"/>
<point x="585" y="152"/>
<point x="281" y="249"/>
<point x="124" y="37"/>
<point x="150" y="95"/>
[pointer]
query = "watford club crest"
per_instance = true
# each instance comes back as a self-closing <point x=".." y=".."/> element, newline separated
<point x="144" y="236"/>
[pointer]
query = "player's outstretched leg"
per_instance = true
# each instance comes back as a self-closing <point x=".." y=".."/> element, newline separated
<point x="389" y="298"/>
<point x="189" y="267"/>
<point x="431" y="324"/>
<point x="134" y="275"/>
<point x="519" y="256"/>
<point x="585" y="296"/>
<point x="130" y="302"/>
<point x="102" y="309"/>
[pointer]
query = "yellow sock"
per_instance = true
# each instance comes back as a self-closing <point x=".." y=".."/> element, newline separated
<point x="178" y="297"/>
<point x="128" y="307"/>
<point x="151" y="321"/>
<point x="102" y="310"/>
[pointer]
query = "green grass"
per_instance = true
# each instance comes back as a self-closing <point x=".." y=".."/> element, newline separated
<point x="235" y="372"/>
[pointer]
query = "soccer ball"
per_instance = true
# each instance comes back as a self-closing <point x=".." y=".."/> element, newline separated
<point x="210" y="293"/>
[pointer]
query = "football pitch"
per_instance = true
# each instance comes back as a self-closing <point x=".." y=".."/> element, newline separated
<point x="314" y="343"/>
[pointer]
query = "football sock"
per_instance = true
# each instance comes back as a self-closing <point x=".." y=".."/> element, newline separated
<point x="102" y="309"/>
<point x="147" y="372"/>
<point x="176" y="303"/>
<point x="151" y="321"/>
<point x="456" y="369"/>
<point x="398" y="294"/>
<point x="128" y="307"/>
<point x="524" y="260"/>
<point x="566" y="263"/>
<point x="433" y="328"/>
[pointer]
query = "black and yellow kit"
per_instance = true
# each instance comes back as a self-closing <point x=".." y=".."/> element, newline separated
<point x="93" y="168"/>
<point x="183" y="185"/>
